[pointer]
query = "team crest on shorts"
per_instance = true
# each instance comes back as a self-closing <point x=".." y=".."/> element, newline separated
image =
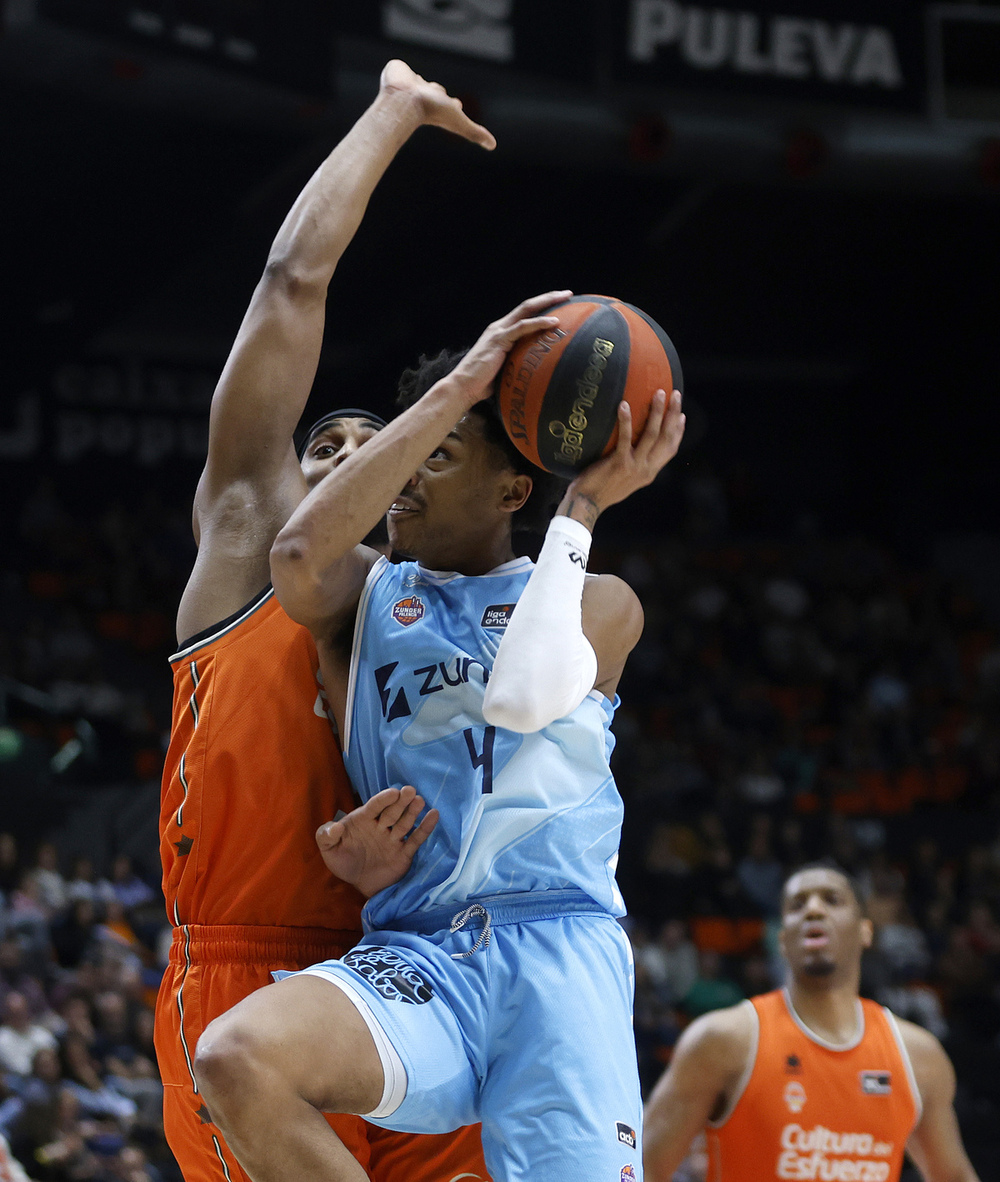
<point x="628" y="1173"/>
<point x="408" y="611"/>
<point x="876" y="1083"/>
<point x="389" y="975"/>
<point x="795" y="1096"/>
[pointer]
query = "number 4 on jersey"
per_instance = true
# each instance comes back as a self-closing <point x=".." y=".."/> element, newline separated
<point x="483" y="759"/>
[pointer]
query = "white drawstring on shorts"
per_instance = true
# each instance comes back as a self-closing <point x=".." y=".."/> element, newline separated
<point x="461" y="918"/>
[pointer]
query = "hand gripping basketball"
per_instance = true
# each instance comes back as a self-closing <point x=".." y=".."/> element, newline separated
<point x="478" y="368"/>
<point x="559" y="390"/>
<point x="438" y="108"/>
<point x="629" y="468"/>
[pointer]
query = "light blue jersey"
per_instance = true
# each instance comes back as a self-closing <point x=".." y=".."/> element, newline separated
<point x="518" y="812"/>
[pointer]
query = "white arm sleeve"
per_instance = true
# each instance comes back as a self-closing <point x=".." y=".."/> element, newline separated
<point x="545" y="666"/>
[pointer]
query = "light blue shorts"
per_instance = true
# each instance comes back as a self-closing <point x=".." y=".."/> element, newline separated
<point x="531" y="1033"/>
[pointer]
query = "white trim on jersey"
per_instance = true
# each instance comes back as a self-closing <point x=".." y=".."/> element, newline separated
<point x="822" y="1042"/>
<point x="904" y="1054"/>
<point x="182" y="776"/>
<point x="741" y="1083"/>
<point x="439" y="577"/>
<point x="180" y="1008"/>
<point x="376" y="572"/>
<point x="244" y="615"/>
<point x="218" y="1150"/>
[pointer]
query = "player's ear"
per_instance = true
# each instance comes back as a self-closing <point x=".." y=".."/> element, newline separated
<point x="516" y="492"/>
<point x="867" y="933"/>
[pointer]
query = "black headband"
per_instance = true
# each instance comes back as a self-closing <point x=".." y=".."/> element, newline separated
<point x="345" y="412"/>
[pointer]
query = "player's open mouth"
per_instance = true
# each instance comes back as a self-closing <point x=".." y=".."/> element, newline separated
<point x="398" y="507"/>
<point x="815" y="938"/>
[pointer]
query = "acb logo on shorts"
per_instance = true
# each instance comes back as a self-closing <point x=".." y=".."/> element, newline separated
<point x="626" y="1134"/>
<point x="408" y="611"/>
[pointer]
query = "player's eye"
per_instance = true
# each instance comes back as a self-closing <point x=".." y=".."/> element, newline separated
<point x="324" y="449"/>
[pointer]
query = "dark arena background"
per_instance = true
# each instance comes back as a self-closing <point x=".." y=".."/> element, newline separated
<point x="809" y="206"/>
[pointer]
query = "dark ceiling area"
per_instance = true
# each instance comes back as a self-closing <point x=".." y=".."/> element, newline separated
<point x="839" y="340"/>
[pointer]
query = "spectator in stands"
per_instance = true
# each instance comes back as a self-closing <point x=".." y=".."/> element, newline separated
<point x="712" y="989"/>
<point x="130" y="890"/>
<point x="27" y="920"/>
<point x="14" y="977"/>
<point x="81" y="1075"/>
<point x="85" y="884"/>
<point x="10" y="864"/>
<point x="50" y="882"/>
<point x="73" y="935"/>
<point x="671" y="962"/>
<point x="20" y="1037"/>
<point x="761" y="874"/>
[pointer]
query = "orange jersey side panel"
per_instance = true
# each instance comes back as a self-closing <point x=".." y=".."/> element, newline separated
<point x="812" y="1112"/>
<point x="252" y="770"/>
<point x="210" y="970"/>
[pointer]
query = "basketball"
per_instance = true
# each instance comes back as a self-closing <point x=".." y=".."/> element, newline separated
<point x="560" y="388"/>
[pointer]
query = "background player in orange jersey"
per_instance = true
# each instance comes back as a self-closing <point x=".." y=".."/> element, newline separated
<point x="809" y="1082"/>
<point x="253" y="767"/>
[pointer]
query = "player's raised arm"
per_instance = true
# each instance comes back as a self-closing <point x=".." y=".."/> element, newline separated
<point x="935" y="1145"/>
<point x="252" y="479"/>
<point x="568" y="634"/>
<point x="317" y="564"/>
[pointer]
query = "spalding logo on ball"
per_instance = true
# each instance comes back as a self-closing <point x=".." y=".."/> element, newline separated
<point x="560" y="389"/>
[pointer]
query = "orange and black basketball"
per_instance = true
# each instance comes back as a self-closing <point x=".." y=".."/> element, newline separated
<point x="559" y="389"/>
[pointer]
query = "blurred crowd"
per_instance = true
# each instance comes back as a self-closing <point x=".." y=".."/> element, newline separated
<point x="795" y="694"/>
<point x="80" y="1096"/>
<point x="798" y="699"/>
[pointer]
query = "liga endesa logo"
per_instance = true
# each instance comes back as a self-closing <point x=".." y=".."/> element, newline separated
<point x="408" y="611"/>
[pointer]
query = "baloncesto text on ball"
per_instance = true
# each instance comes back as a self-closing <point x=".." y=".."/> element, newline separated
<point x="588" y="387"/>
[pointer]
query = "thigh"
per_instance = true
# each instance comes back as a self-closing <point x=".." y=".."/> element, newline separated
<point x="188" y="1000"/>
<point x="561" y="1102"/>
<point x="429" y="1011"/>
<point x="309" y="1036"/>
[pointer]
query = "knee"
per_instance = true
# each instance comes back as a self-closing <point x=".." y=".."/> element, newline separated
<point x="227" y="1060"/>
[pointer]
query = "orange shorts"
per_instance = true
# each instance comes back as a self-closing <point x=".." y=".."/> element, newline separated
<point x="210" y="970"/>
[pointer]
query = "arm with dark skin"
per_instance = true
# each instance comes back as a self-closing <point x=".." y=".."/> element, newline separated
<point x="935" y="1145"/>
<point x="318" y="565"/>
<point x="708" y="1061"/>
<point x="252" y="480"/>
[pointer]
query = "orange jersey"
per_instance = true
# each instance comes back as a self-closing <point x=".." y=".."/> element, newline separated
<point x="808" y="1110"/>
<point x="252" y="770"/>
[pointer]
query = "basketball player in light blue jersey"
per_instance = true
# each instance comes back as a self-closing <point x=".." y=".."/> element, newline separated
<point x="495" y="982"/>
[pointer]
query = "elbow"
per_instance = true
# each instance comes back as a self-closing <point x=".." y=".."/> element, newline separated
<point x="288" y="556"/>
<point x="291" y="280"/>
<point x="512" y="711"/>
<point x="295" y="583"/>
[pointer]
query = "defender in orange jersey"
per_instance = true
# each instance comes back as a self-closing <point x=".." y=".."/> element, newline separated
<point x="253" y="768"/>
<point x="810" y="1082"/>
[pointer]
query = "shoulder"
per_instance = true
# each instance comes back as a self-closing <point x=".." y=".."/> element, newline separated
<point x="932" y="1068"/>
<point x="723" y="1039"/>
<point x="609" y="599"/>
